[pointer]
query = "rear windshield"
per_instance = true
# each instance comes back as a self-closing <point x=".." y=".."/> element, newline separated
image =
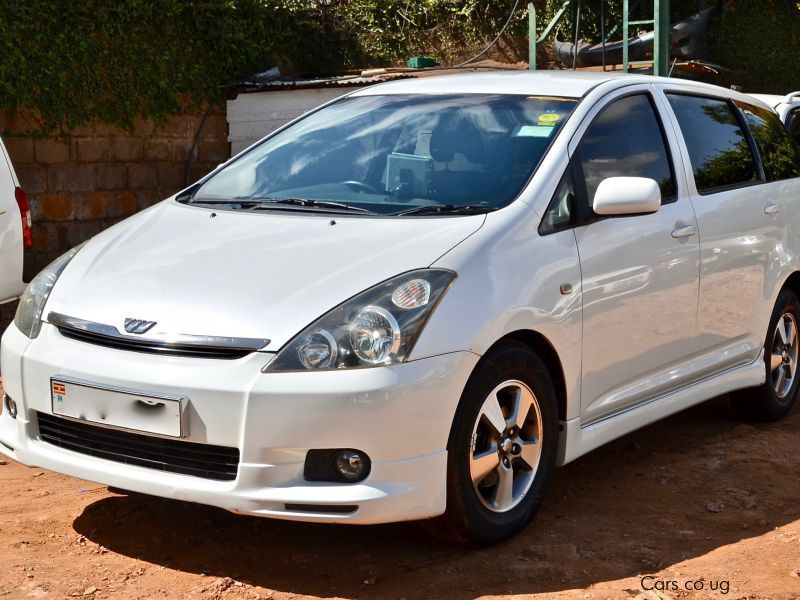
<point x="386" y="154"/>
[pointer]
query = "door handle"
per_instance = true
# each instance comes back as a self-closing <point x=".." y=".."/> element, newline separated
<point x="684" y="232"/>
<point x="772" y="209"/>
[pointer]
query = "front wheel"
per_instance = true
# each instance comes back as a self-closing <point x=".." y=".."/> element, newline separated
<point x="502" y="449"/>
<point x="774" y="399"/>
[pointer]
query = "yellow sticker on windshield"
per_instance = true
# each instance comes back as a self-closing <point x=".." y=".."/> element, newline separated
<point x="548" y="118"/>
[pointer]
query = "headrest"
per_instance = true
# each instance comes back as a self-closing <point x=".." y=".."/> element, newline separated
<point x="456" y="135"/>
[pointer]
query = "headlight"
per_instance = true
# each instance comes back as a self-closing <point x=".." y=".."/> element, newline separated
<point x="28" y="317"/>
<point x="376" y="327"/>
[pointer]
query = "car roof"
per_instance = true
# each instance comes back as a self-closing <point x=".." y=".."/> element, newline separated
<point x="570" y="84"/>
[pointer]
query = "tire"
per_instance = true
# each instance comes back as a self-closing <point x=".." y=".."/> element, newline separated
<point x="493" y="510"/>
<point x="773" y="400"/>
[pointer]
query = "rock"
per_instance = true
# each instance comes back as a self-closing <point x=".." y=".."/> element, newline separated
<point x="89" y="591"/>
<point x="370" y="580"/>
<point x="223" y="584"/>
<point x="715" y="506"/>
<point x="740" y="498"/>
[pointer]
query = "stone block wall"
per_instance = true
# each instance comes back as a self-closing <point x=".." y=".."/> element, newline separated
<point x="89" y="178"/>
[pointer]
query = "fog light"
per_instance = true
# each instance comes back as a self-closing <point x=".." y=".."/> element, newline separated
<point x="352" y="465"/>
<point x="337" y="465"/>
<point x="11" y="407"/>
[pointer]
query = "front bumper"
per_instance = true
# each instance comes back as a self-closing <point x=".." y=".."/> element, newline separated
<point x="399" y="415"/>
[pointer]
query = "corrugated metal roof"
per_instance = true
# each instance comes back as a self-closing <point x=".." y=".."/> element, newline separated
<point x="273" y="81"/>
<point x="285" y="83"/>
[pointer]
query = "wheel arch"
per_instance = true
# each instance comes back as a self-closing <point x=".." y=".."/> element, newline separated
<point x="542" y="347"/>
<point x="793" y="283"/>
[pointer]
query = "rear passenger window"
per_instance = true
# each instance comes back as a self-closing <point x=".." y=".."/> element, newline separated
<point x="718" y="148"/>
<point x="779" y="153"/>
<point x="626" y="140"/>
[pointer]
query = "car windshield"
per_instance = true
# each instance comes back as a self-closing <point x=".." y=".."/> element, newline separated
<point x="396" y="155"/>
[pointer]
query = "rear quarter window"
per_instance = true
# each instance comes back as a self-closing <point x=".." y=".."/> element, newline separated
<point x="718" y="147"/>
<point x="793" y="125"/>
<point x="779" y="152"/>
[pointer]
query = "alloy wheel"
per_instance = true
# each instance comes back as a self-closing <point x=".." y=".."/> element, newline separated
<point x="783" y="360"/>
<point x="506" y="446"/>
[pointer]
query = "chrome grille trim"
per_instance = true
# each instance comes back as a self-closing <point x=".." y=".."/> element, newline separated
<point x="196" y="346"/>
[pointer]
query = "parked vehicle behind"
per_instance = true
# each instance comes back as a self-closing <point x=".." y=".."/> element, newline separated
<point x="788" y="109"/>
<point x="416" y="301"/>
<point x="16" y="240"/>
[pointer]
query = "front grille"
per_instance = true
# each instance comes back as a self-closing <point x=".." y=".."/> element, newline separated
<point x="195" y="346"/>
<point x="173" y="456"/>
<point x="153" y="346"/>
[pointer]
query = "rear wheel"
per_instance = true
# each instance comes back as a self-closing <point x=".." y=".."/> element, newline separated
<point x="502" y="449"/>
<point x="775" y="398"/>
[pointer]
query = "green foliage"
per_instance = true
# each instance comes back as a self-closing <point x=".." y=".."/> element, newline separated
<point x="75" y="62"/>
<point x="82" y="61"/>
<point x="389" y="31"/>
<point x="760" y="41"/>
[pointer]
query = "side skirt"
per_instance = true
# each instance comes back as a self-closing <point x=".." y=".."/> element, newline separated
<point x="576" y="440"/>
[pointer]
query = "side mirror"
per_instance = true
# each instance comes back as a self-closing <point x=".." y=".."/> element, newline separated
<point x="627" y="196"/>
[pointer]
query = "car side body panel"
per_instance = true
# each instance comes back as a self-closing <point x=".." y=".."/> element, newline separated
<point x="499" y="293"/>
<point x="11" y="251"/>
<point x="748" y="249"/>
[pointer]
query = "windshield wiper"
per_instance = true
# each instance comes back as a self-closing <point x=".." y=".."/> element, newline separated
<point x="302" y="202"/>
<point x="445" y="209"/>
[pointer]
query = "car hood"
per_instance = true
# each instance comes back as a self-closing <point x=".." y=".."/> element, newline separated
<point x="242" y="274"/>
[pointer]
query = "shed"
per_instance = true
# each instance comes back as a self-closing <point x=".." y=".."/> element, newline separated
<point x="264" y="104"/>
<point x="260" y="108"/>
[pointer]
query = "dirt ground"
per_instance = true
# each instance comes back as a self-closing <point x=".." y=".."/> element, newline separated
<point x="699" y="500"/>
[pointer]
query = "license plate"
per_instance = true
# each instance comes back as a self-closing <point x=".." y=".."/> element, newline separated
<point x="134" y="410"/>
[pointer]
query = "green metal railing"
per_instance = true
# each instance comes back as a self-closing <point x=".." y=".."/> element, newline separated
<point x="661" y="27"/>
<point x="532" y="40"/>
<point x="661" y="30"/>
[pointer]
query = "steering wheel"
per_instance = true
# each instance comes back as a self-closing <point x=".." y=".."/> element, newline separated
<point x="360" y="186"/>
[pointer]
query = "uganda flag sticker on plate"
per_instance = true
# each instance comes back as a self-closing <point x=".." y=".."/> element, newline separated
<point x="59" y="389"/>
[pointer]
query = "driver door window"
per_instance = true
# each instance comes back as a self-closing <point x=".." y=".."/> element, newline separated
<point x="625" y="140"/>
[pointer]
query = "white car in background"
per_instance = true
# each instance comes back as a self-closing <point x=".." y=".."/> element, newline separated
<point x="16" y="241"/>
<point x="417" y="300"/>
<point x="788" y="109"/>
